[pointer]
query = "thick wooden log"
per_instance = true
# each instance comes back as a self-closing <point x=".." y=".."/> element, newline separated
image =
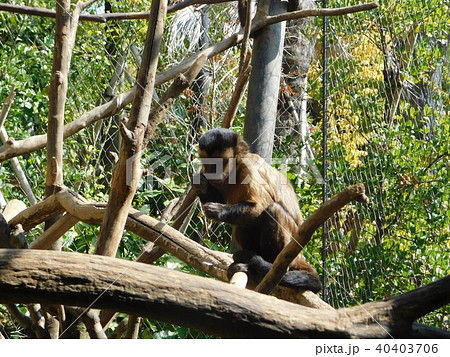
<point x="52" y="277"/>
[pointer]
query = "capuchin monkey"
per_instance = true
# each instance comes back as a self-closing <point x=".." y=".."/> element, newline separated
<point x="240" y="188"/>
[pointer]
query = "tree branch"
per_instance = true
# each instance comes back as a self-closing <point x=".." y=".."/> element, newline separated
<point x="102" y="18"/>
<point x="180" y="83"/>
<point x="6" y="107"/>
<point x="15" y="148"/>
<point x="244" y="74"/>
<point x="91" y="319"/>
<point x="300" y="14"/>
<point x="53" y="233"/>
<point x="305" y="232"/>
<point x="28" y="276"/>
<point x="38" y="213"/>
<point x="20" y="174"/>
<point x="127" y="172"/>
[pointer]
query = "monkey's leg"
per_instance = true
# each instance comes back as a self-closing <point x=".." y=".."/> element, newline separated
<point x="256" y="268"/>
<point x="278" y="228"/>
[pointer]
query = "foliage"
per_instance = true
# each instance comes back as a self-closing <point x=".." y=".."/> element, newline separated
<point x="402" y="237"/>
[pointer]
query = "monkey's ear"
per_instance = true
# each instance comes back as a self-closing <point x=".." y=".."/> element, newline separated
<point x="242" y="147"/>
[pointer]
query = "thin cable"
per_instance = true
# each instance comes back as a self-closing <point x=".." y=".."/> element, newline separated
<point x="324" y="152"/>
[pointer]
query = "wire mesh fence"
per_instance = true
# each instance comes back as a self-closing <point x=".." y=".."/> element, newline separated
<point x="388" y="81"/>
<point x="388" y="126"/>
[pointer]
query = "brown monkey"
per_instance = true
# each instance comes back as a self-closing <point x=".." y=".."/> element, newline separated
<point x="240" y="188"/>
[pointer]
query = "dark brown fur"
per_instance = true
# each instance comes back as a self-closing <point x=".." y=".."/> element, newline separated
<point x="260" y="202"/>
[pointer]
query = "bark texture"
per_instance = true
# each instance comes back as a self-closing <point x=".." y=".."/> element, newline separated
<point x="29" y="276"/>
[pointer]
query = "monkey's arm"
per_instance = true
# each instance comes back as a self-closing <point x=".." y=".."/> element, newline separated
<point x="238" y="214"/>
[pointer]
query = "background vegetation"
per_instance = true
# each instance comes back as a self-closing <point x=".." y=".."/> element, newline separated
<point x="398" y="242"/>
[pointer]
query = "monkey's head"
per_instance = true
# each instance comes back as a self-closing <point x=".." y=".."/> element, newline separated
<point x="216" y="148"/>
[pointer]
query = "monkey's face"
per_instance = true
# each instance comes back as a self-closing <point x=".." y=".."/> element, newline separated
<point x="217" y="166"/>
<point x="217" y="149"/>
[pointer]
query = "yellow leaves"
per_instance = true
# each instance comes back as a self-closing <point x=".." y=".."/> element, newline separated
<point x="344" y="129"/>
<point x="356" y="71"/>
<point x="370" y="91"/>
<point x="372" y="72"/>
<point x="368" y="57"/>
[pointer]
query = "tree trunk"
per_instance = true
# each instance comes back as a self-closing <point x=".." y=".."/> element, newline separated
<point x="62" y="54"/>
<point x="264" y="83"/>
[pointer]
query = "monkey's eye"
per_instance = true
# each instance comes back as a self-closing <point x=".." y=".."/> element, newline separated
<point x="209" y="167"/>
<point x="212" y="165"/>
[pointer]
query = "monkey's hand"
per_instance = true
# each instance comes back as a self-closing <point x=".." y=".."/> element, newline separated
<point x="214" y="210"/>
<point x="200" y="184"/>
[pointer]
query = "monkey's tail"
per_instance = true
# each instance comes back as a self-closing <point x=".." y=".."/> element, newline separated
<point x="256" y="268"/>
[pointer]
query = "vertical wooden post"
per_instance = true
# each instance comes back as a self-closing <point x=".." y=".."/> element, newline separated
<point x="127" y="173"/>
<point x="65" y="32"/>
<point x="325" y="228"/>
<point x="57" y="97"/>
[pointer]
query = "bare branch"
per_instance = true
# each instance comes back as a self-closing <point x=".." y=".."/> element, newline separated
<point x="35" y="11"/>
<point x="238" y="92"/>
<point x="21" y="147"/>
<point x="133" y="327"/>
<point x="247" y="30"/>
<point x="244" y="70"/>
<point x="65" y="29"/>
<point x="38" y="213"/>
<point x="22" y="319"/>
<point x="27" y="10"/>
<point x="181" y="82"/>
<point x="91" y="319"/>
<point x="53" y="233"/>
<point x="305" y="232"/>
<point x="20" y="174"/>
<point x="300" y="14"/>
<point x="127" y="172"/>
<point x="186" y="3"/>
<point x="6" y="107"/>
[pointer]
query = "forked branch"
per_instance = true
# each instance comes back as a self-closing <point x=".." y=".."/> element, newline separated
<point x="305" y="232"/>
